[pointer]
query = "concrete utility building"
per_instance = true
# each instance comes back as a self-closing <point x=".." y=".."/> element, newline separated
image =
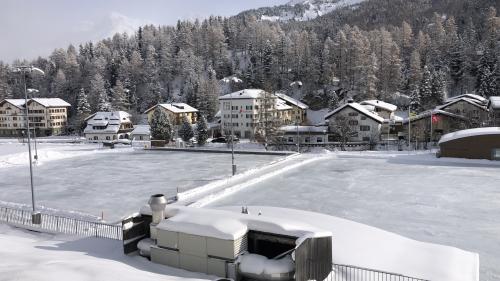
<point x="228" y="244"/>
<point x="480" y="143"/>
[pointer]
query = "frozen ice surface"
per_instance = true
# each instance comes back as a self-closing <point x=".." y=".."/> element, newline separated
<point x="117" y="183"/>
<point x="453" y="202"/>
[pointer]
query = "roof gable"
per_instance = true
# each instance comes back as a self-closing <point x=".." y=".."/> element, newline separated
<point x="361" y="109"/>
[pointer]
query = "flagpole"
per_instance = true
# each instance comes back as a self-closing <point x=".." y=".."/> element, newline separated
<point x="430" y="145"/>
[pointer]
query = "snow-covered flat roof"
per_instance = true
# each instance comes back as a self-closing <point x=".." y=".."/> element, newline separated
<point x="244" y="94"/>
<point x="228" y="225"/>
<point x="380" y="104"/>
<point x="51" y="102"/>
<point x="494" y="102"/>
<point x="358" y="107"/>
<point x="470" y="133"/>
<point x="292" y="101"/>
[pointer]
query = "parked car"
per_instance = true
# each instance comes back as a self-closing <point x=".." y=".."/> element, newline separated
<point x="225" y="139"/>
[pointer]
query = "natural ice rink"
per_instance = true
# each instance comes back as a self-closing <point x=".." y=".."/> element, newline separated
<point x="445" y="201"/>
<point x="116" y="183"/>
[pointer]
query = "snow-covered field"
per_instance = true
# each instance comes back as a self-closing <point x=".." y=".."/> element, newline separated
<point x="117" y="182"/>
<point x="27" y="255"/>
<point x="446" y="201"/>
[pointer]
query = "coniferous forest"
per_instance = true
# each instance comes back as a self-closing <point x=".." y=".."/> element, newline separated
<point x="419" y="55"/>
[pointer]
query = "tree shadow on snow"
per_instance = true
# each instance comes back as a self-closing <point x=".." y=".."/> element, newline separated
<point x="112" y="250"/>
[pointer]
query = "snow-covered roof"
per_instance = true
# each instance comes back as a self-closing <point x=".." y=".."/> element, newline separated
<point x="470" y="133"/>
<point x="51" y="102"/>
<point x="229" y="225"/>
<point x="141" y="130"/>
<point x="464" y="99"/>
<point x="358" y="107"/>
<point x="427" y="114"/>
<point x="380" y="104"/>
<point x="15" y="102"/>
<point x="111" y="120"/>
<point x="304" y="129"/>
<point x="244" y="94"/>
<point x="478" y="98"/>
<point x="494" y="102"/>
<point x="292" y="101"/>
<point x="176" y="107"/>
<point x="281" y="105"/>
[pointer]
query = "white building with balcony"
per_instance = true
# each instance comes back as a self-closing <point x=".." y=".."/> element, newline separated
<point x="248" y="111"/>
<point x="48" y="116"/>
<point x="112" y="126"/>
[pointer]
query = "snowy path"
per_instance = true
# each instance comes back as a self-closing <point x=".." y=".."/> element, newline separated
<point x="204" y="195"/>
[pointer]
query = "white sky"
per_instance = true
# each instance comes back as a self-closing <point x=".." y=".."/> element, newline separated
<point x="31" y="28"/>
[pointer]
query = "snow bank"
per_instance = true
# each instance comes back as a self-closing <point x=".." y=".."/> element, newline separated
<point x="259" y="265"/>
<point x="43" y="257"/>
<point x="47" y="153"/>
<point x="470" y="133"/>
<point x="365" y="246"/>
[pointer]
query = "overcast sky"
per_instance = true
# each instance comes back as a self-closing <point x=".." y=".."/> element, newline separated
<point x="30" y="28"/>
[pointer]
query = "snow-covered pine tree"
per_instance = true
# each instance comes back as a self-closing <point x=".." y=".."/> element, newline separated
<point x="487" y="85"/>
<point x="201" y="130"/>
<point x="82" y="108"/>
<point x="438" y="88"/>
<point x="415" y="100"/>
<point x="425" y="89"/>
<point x="120" y="99"/>
<point x="186" y="131"/>
<point x="160" y="126"/>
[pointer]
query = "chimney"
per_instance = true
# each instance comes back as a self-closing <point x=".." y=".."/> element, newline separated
<point x="157" y="204"/>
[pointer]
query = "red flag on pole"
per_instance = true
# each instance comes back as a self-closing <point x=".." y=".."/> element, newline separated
<point x="435" y="119"/>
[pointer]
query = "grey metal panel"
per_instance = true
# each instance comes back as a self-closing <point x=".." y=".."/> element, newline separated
<point x="193" y="263"/>
<point x="193" y="245"/>
<point x="220" y="248"/>
<point x="313" y="259"/>
<point x="167" y="239"/>
<point x="216" y="267"/>
<point x="165" y="256"/>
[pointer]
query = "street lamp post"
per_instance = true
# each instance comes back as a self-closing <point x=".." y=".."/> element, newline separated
<point x="31" y="91"/>
<point x="36" y="217"/>
<point x="235" y="80"/>
<point x="297" y="84"/>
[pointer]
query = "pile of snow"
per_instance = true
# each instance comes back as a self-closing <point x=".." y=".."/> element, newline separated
<point x="229" y="225"/>
<point x="49" y="152"/>
<point x="258" y="265"/>
<point x="46" y="257"/>
<point x="365" y="246"/>
<point x="470" y="133"/>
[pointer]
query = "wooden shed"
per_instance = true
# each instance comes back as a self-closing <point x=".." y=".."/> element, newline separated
<point x="479" y="143"/>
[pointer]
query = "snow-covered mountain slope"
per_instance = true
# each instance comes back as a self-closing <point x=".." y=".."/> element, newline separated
<point x="302" y="10"/>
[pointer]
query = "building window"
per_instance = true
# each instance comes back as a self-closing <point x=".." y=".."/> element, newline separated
<point x="96" y="138"/>
<point x="364" y="128"/>
<point x="353" y="122"/>
<point x="319" y="139"/>
<point x="290" y="139"/>
<point x="108" y="138"/>
<point x="363" y="117"/>
<point x="308" y="139"/>
<point x="353" y="114"/>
